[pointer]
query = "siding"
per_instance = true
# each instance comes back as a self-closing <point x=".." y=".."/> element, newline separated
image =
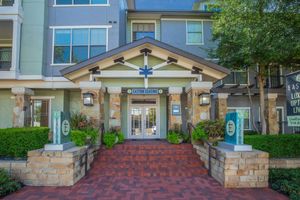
<point x="6" y="109"/>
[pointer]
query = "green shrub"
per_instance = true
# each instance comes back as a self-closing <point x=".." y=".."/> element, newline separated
<point x="278" y="146"/>
<point x="286" y="181"/>
<point x="199" y="133"/>
<point x="213" y="129"/>
<point x="16" y="142"/>
<point x="174" y="138"/>
<point x="250" y="132"/>
<point x="81" y="138"/>
<point x="81" y="122"/>
<point x="109" y="139"/>
<point x="121" y="138"/>
<point x="7" y="185"/>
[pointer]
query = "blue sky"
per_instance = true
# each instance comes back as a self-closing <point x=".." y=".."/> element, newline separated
<point x="164" y="4"/>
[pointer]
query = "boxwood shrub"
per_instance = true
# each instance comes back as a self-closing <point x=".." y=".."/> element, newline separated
<point x="286" y="181"/>
<point x="80" y="137"/>
<point x="278" y="146"/>
<point x="7" y="185"/>
<point x="16" y="142"/>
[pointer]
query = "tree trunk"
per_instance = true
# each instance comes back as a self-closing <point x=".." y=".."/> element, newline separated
<point x="261" y="85"/>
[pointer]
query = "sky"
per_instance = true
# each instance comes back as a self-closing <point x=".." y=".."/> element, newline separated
<point x="164" y="4"/>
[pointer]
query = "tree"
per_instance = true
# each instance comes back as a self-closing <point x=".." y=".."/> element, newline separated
<point x="256" y="35"/>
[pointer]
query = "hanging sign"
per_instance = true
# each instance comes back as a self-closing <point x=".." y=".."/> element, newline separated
<point x="234" y="130"/>
<point x="293" y="98"/>
<point x="141" y="91"/>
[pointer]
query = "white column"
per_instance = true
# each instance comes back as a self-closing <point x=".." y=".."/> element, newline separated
<point x="16" y="45"/>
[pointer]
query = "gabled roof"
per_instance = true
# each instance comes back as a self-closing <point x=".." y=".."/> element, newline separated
<point x="138" y="43"/>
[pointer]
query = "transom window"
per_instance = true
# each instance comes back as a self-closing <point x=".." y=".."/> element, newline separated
<point x="81" y="2"/>
<point x="141" y="30"/>
<point x="194" y="32"/>
<point x="76" y="45"/>
<point x="243" y="112"/>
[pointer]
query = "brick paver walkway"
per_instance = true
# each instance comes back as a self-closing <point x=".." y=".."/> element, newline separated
<point x="146" y="170"/>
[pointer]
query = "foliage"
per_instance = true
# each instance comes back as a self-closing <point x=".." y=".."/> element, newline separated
<point x="175" y="137"/>
<point x="7" y="185"/>
<point x="286" y="181"/>
<point x="80" y="121"/>
<point x="250" y="132"/>
<point x="256" y="35"/>
<point x="121" y="138"/>
<point x="278" y="146"/>
<point x="81" y="138"/>
<point x="109" y="139"/>
<point x="199" y="133"/>
<point x="16" y="142"/>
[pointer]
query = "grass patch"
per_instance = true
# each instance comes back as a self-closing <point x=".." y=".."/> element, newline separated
<point x="278" y="146"/>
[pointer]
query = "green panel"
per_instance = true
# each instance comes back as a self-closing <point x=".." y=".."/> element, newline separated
<point x="33" y="37"/>
<point x="106" y="112"/>
<point x="163" y="116"/>
<point x="6" y="109"/>
<point x="124" y="115"/>
<point x="75" y="100"/>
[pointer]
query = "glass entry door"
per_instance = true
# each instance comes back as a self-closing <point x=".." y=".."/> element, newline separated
<point x="143" y="122"/>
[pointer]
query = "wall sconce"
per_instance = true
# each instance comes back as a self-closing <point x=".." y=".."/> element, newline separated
<point x="204" y="99"/>
<point x="88" y="99"/>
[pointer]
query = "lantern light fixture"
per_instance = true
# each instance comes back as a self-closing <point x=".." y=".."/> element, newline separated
<point x="88" y="99"/>
<point x="204" y="99"/>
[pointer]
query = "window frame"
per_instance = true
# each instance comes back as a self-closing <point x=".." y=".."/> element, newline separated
<point x="47" y="98"/>
<point x="143" y="22"/>
<point x="237" y="71"/>
<point x="243" y="108"/>
<point x="80" y="5"/>
<point x="54" y="28"/>
<point x="187" y="35"/>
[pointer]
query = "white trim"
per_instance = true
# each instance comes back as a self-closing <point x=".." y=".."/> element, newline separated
<point x="143" y="22"/>
<point x="157" y="106"/>
<point x="42" y="97"/>
<point x="156" y="74"/>
<point x="243" y="108"/>
<point x="81" y="5"/>
<point x="186" y="32"/>
<point x="71" y="28"/>
<point x="282" y="117"/>
<point x="184" y="19"/>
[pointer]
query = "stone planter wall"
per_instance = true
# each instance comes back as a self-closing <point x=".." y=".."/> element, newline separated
<point x="52" y="168"/>
<point x="285" y="163"/>
<point x="236" y="169"/>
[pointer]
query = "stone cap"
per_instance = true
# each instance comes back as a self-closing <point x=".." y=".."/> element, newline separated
<point x="175" y="90"/>
<point x="271" y="96"/>
<point x="90" y="85"/>
<point x="22" y="90"/>
<point x="114" y="90"/>
<point x="198" y="85"/>
<point x="221" y="95"/>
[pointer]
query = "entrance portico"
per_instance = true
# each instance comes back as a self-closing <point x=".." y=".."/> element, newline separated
<point x="146" y="88"/>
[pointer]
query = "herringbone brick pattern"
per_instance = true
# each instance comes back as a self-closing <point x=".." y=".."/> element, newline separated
<point x="146" y="170"/>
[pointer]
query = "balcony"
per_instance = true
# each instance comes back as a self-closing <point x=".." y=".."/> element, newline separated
<point x="9" y="8"/>
<point x="275" y="82"/>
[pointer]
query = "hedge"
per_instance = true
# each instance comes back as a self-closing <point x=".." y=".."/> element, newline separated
<point x="278" y="146"/>
<point x="286" y="181"/>
<point x="16" y="142"/>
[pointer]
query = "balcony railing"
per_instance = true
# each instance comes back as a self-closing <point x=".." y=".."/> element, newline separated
<point x="275" y="82"/>
<point x="5" y="59"/>
<point x="7" y="2"/>
<point x="236" y="78"/>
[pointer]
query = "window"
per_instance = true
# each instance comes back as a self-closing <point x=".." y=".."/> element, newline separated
<point x="236" y="77"/>
<point x="40" y="113"/>
<point x="245" y="113"/>
<point x="5" y="58"/>
<point x="194" y="32"/>
<point x="76" y="45"/>
<point x="141" y="30"/>
<point x="81" y="2"/>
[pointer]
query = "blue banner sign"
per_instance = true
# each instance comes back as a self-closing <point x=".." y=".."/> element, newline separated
<point x="144" y="91"/>
<point x="293" y="98"/>
<point x="234" y="130"/>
